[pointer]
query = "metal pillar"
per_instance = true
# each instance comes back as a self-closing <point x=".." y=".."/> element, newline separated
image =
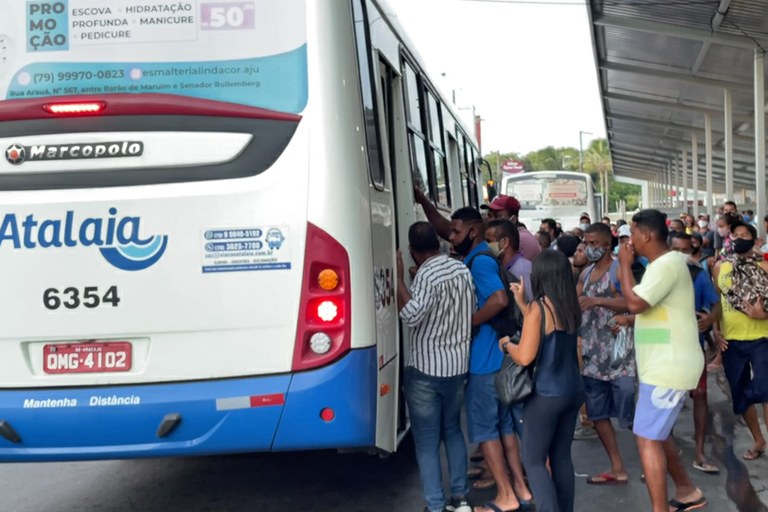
<point x="651" y="199"/>
<point x="760" y="139"/>
<point x="659" y="192"/>
<point x="669" y="184"/>
<point x="709" y="203"/>
<point x="676" y="198"/>
<point x="695" y="173"/>
<point x="728" y="107"/>
<point x="685" y="179"/>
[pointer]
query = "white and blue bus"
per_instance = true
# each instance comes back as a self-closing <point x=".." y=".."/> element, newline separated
<point x="561" y="195"/>
<point x="200" y="208"/>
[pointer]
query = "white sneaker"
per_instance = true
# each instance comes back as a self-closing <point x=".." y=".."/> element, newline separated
<point x="459" y="504"/>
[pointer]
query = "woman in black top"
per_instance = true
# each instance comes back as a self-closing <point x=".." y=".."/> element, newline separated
<point x="550" y="413"/>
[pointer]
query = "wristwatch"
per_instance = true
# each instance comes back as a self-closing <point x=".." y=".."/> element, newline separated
<point x="504" y="346"/>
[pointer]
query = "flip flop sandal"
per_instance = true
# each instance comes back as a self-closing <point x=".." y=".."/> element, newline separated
<point x="706" y="467"/>
<point x="525" y="504"/>
<point x="495" y="508"/>
<point x="606" y="479"/>
<point x="474" y="473"/>
<point x="484" y="483"/>
<point x="691" y="505"/>
<point x="476" y="457"/>
<point x="753" y="454"/>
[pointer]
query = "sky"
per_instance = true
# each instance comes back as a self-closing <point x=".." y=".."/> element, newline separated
<point x="528" y="68"/>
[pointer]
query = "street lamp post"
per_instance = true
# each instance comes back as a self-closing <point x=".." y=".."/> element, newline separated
<point x="581" y="149"/>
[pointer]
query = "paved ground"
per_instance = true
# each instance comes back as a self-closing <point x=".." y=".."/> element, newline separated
<point x="323" y="482"/>
<point x="738" y="482"/>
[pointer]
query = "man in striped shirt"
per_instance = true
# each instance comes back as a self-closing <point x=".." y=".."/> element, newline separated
<point x="438" y="308"/>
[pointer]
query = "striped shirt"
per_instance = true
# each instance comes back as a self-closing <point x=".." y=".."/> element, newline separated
<point x="440" y="315"/>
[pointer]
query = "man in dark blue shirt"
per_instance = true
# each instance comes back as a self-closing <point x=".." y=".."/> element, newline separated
<point x="707" y="303"/>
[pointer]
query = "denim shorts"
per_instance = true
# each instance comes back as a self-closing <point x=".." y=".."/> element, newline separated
<point x="607" y="399"/>
<point x="487" y="419"/>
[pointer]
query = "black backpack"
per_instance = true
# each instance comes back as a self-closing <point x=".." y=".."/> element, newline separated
<point x="510" y="320"/>
<point x="694" y="270"/>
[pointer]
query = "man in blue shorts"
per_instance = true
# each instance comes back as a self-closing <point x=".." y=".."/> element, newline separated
<point x="669" y="358"/>
<point x="487" y="419"/>
<point x="609" y="385"/>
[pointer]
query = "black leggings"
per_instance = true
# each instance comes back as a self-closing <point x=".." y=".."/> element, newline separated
<point x="549" y="423"/>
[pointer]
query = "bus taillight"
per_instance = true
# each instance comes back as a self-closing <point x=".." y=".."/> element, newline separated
<point x="75" y="109"/>
<point x="327" y="310"/>
<point x="323" y="333"/>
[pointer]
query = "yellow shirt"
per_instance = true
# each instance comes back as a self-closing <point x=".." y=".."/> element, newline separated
<point x="734" y="324"/>
<point x="666" y="334"/>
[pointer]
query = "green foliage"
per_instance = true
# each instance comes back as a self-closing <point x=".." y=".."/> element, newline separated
<point x="618" y="191"/>
<point x="596" y="160"/>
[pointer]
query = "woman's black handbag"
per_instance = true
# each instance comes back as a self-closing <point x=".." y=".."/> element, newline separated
<point x="515" y="383"/>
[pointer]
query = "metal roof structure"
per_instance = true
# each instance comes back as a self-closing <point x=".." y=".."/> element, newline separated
<point x="665" y="68"/>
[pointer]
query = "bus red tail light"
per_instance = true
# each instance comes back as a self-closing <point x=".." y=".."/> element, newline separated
<point x="326" y="311"/>
<point x="323" y="333"/>
<point x="75" y="109"/>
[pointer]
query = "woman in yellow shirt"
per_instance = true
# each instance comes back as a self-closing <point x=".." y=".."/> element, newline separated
<point x="690" y="225"/>
<point x="743" y="335"/>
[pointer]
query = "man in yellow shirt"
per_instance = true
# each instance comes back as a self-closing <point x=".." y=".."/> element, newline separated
<point x="669" y="358"/>
<point x="743" y="336"/>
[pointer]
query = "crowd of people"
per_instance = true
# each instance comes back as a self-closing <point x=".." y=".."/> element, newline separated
<point x="615" y="321"/>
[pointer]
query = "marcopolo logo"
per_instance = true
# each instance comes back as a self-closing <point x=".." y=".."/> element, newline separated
<point x="17" y="154"/>
<point x="117" y="238"/>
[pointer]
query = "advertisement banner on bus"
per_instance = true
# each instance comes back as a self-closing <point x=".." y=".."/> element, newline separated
<point x="251" y="53"/>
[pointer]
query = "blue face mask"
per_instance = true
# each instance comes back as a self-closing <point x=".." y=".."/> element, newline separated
<point x="616" y="250"/>
<point x="643" y="260"/>
<point x="747" y="218"/>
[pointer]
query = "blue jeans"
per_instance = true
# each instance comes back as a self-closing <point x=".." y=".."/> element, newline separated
<point x="434" y="405"/>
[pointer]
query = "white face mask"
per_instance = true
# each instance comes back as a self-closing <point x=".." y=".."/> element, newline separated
<point x="703" y="224"/>
<point x="584" y="226"/>
<point x="494" y="248"/>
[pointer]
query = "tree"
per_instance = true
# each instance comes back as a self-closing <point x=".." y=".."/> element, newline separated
<point x="597" y="157"/>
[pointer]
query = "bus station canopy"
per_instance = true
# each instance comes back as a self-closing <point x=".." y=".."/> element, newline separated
<point x="663" y="65"/>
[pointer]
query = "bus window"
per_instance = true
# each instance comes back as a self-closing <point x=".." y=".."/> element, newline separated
<point x="224" y="104"/>
<point x="416" y="137"/>
<point x="473" y="171"/>
<point x="412" y="97"/>
<point x="419" y="163"/>
<point x="463" y="169"/>
<point x="370" y="113"/>
<point x="439" y="167"/>
<point x="441" y="173"/>
<point x="435" y="131"/>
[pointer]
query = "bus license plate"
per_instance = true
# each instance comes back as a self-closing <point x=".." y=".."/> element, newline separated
<point x="87" y="357"/>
